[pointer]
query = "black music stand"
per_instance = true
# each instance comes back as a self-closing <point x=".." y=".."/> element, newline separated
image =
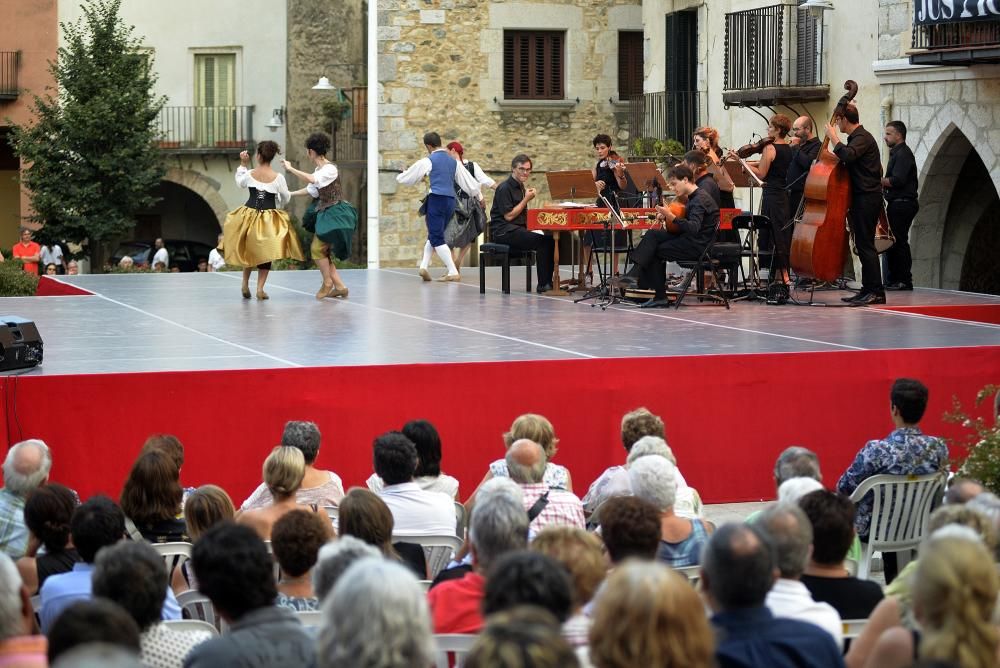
<point x="743" y="177"/>
<point x="646" y="177"/>
<point x="568" y="185"/>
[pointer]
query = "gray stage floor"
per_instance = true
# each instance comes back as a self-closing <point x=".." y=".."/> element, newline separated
<point x="161" y="322"/>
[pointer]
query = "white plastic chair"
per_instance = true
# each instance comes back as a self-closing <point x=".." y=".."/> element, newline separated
<point x="459" y="520"/>
<point x="901" y="510"/>
<point x="452" y="646"/>
<point x="333" y="512"/>
<point x="438" y="550"/>
<point x="692" y="573"/>
<point x="853" y="627"/>
<point x="191" y="625"/>
<point x="174" y="554"/>
<point x="310" y="618"/>
<point x="196" y="605"/>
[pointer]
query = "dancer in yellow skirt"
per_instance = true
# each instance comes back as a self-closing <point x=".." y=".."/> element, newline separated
<point x="258" y="232"/>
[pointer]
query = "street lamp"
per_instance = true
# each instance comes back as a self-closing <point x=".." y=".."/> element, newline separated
<point x="346" y="96"/>
<point x="277" y="119"/>
<point x="816" y="7"/>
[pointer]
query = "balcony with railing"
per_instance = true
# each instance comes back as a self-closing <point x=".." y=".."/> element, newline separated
<point x="662" y="115"/>
<point x="205" y="129"/>
<point x="10" y="61"/>
<point x="956" y="43"/>
<point x="774" y="55"/>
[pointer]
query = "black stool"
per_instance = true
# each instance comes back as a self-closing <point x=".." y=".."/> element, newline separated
<point x="503" y="253"/>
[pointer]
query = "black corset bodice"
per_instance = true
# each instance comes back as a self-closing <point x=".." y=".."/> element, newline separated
<point x="261" y="200"/>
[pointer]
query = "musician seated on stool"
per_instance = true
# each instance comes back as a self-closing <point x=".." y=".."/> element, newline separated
<point x="509" y="220"/>
<point x="693" y="232"/>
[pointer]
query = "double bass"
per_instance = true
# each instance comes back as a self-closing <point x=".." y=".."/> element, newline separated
<point x="818" y="239"/>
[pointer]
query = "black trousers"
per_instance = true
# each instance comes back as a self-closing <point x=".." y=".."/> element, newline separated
<point x="774" y="205"/>
<point x="898" y="258"/>
<point x="543" y="245"/>
<point x="863" y="219"/>
<point x="651" y="254"/>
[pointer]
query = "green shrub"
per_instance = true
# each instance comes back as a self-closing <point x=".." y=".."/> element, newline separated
<point x="15" y="282"/>
<point x="982" y="443"/>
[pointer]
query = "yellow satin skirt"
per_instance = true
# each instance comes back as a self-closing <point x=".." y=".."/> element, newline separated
<point x="253" y="237"/>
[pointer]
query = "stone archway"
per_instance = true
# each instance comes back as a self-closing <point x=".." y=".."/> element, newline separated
<point x="202" y="186"/>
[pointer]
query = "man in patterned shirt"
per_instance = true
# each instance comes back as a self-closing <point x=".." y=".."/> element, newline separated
<point x="905" y="451"/>
<point x="546" y="506"/>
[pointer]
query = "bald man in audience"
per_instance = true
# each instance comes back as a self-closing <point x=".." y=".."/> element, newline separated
<point x="545" y="505"/>
<point x="25" y="469"/>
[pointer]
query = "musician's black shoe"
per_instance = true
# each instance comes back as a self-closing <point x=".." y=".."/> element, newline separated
<point x="627" y="281"/>
<point x="544" y="288"/>
<point x="867" y="299"/>
<point x="656" y="302"/>
<point x="899" y="286"/>
<point x="852" y="298"/>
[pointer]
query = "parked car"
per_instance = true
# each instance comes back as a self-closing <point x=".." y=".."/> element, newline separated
<point x="183" y="254"/>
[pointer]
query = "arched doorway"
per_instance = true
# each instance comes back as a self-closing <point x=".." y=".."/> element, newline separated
<point x="189" y="207"/>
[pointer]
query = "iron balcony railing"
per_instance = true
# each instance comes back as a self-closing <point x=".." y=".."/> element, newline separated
<point x="965" y="35"/>
<point x="773" y="47"/>
<point x="663" y="115"/>
<point x="221" y="129"/>
<point x="9" y="63"/>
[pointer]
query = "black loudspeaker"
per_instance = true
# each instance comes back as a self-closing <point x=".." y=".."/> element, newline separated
<point x="20" y="344"/>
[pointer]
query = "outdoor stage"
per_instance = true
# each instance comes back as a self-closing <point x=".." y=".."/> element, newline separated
<point x="184" y="354"/>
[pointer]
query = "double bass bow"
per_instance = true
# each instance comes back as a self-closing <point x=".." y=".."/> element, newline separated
<point x="818" y="239"/>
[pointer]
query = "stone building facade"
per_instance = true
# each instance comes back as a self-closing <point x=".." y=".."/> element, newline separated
<point x="952" y="114"/>
<point x="441" y="68"/>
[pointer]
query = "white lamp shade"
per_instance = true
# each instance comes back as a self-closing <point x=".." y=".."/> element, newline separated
<point x="274" y="123"/>
<point x="816" y="6"/>
<point x="324" y="83"/>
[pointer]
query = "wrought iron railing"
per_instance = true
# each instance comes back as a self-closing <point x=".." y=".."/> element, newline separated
<point x="206" y="128"/>
<point x="9" y="63"/>
<point x="770" y="47"/>
<point x="965" y="35"/>
<point x="665" y="115"/>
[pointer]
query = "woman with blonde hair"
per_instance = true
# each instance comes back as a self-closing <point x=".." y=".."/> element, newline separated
<point x="284" y="469"/>
<point x="649" y="615"/>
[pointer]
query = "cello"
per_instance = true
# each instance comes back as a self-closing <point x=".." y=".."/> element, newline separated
<point x="818" y="239"/>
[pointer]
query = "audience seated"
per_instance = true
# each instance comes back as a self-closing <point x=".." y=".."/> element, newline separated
<point x="334" y="559"/>
<point x="364" y="515"/>
<point x="954" y="596"/>
<point x="93" y="621"/>
<point x="681" y="540"/>
<point x="283" y="472"/>
<point x="906" y="450"/>
<point x="132" y="575"/>
<point x="319" y="487"/>
<point x="793" y="490"/>
<point x="25" y="469"/>
<point x="151" y="499"/>
<point x="738" y="570"/>
<point x="47" y="513"/>
<point x="522" y="637"/>
<point x="546" y="506"/>
<point x="630" y="528"/>
<point x="19" y="648"/>
<point x="963" y="490"/>
<point x="98" y="655"/>
<point x="498" y="526"/>
<point x="831" y="516"/>
<point x="171" y="446"/>
<point x="528" y="578"/>
<point x="376" y="617"/>
<point x="790" y="534"/>
<point x="415" y="511"/>
<point x="96" y="523"/>
<point x="205" y="507"/>
<point x="647" y="615"/>
<point x="235" y="573"/>
<point x="582" y="555"/>
<point x="614" y="480"/>
<point x="687" y="502"/>
<point x="428" y="475"/>
<point x="296" y="540"/>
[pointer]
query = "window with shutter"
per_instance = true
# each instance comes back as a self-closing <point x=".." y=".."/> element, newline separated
<point x="681" y="85"/>
<point x="533" y="65"/>
<point x="630" y="64"/>
<point x="807" y="48"/>
<point x="215" y="98"/>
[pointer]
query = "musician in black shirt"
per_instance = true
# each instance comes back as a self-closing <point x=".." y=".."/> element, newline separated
<point x="509" y="220"/>
<point x="900" y="191"/>
<point x="864" y="167"/>
<point x="697" y="162"/>
<point x="696" y="229"/>
<point x="805" y="148"/>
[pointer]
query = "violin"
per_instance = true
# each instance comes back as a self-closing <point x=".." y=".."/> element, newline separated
<point x="747" y="150"/>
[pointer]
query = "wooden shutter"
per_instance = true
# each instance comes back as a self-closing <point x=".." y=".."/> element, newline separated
<point x="806" y="56"/>
<point x="214" y="99"/>
<point x="630" y="64"/>
<point x="533" y="65"/>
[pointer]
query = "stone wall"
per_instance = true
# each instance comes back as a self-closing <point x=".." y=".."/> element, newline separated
<point x="441" y="69"/>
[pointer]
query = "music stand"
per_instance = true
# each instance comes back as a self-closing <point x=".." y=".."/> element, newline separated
<point x="646" y="176"/>
<point x="568" y="185"/>
<point x="743" y="177"/>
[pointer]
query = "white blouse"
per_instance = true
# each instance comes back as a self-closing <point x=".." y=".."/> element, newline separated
<point x="245" y="179"/>
<point x="324" y="176"/>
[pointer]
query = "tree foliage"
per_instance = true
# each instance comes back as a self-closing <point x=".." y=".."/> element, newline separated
<point x="91" y="159"/>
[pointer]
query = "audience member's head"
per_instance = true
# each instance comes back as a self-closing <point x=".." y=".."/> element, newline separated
<point x="26" y="466"/>
<point x="908" y="400"/>
<point x="737" y="568"/>
<point x="500" y="487"/>
<point x="296" y="539"/>
<point x="364" y="515"/>
<point x="988" y="505"/>
<point x="96" y="523"/>
<point x="426" y="440"/>
<point x="966" y="516"/>
<point x="525" y="462"/>
<point x="152" y="492"/>
<point x="92" y="621"/>
<point x="234" y="570"/>
<point x="132" y="574"/>
<point x="395" y="458"/>
<point x="630" y="528"/>
<point x="534" y="428"/>
<point x="580" y="553"/>
<point x="16" y="616"/>
<point x="831" y="516"/>
<point x="639" y="423"/>
<point x="528" y="578"/>
<point x="522" y="637"/>
<point x="205" y="507"/>
<point x="167" y="444"/>
<point x="648" y="615"/>
<point x="650" y="445"/>
<point x="284" y="470"/>
<point x="303" y="435"/>
<point x="654" y="479"/>
<point x="376" y="617"/>
<point x="499" y="524"/>
<point x="47" y="513"/>
<point x="335" y="558"/>
<point x="796" y="462"/>
<point x="962" y="490"/>
<point x="794" y="489"/>
<point x="98" y="655"/>
<point x="790" y="534"/>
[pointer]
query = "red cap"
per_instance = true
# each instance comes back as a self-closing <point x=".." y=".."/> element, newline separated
<point x="455" y="146"/>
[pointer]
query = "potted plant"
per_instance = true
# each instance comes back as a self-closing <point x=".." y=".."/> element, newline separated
<point x="982" y="444"/>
